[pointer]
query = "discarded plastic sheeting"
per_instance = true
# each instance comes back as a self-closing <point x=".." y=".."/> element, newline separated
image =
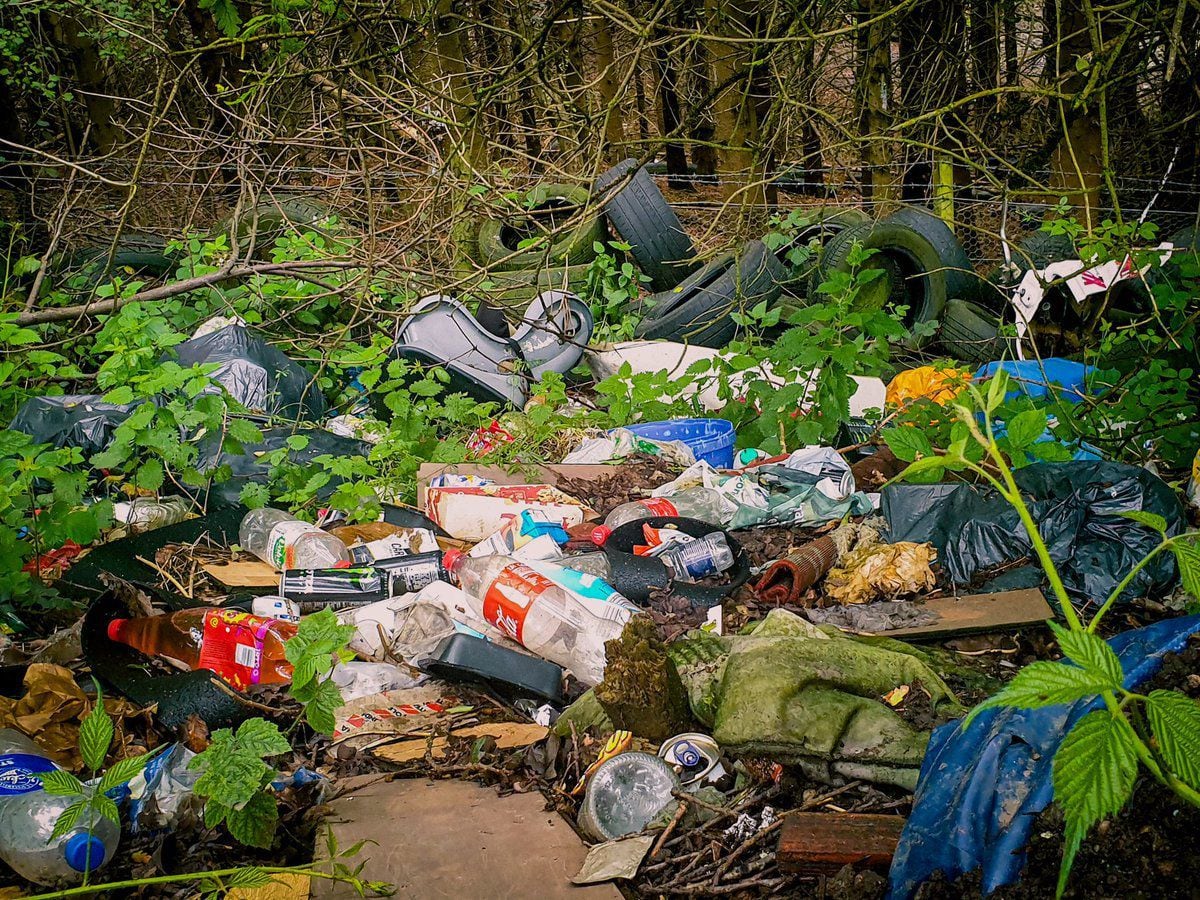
<point x="1077" y="506"/>
<point x="254" y="373"/>
<point x="981" y="790"/>
<point x="73" y="420"/>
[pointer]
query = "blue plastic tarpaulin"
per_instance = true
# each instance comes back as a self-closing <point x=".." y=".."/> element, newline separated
<point x="980" y="791"/>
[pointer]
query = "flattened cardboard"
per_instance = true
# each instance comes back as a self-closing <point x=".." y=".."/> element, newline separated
<point x="245" y="573"/>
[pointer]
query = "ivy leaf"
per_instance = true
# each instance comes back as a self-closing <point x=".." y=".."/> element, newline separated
<point x="95" y="735"/>
<point x="1025" y="428"/>
<point x="254" y="824"/>
<point x="1090" y="653"/>
<point x="319" y="711"/>
<point x="1044" y="684"/>
<point x="60" y="783"/>
<point x="908" y="443"/>
<point x="1149" y="519"/>
<point x="1093" y="774"/>
<point x="1175" y="721"/>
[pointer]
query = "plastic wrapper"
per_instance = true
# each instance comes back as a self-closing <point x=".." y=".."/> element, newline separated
<point x="620" y="443"/>
<point x="365" y="679"/>
<point x="72" y="420"/>
<point x="255" y="374"/>
<point x="1077" y="507"/>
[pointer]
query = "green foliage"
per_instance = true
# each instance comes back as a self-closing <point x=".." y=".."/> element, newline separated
<point x="1095" y="766"/>
<point x="235" y="780"/>
<point x="95" y="738"/>
<point x="613" y="283"/>
<point x="318" y="645"/>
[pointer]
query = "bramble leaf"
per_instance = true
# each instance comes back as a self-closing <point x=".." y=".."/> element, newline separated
<point x="1044" y="684"/>
<point x="1093" y="776"/>
<point x="1175" y="720"/>
<point x="254" y="824"/>
<point x="1090" y="653"/>
<point x="95" y="735"/>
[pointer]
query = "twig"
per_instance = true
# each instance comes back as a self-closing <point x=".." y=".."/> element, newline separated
<point x="679" y="814"/>
<point x="165" y="574"/>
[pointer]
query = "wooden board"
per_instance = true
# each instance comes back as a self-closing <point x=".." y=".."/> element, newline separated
<point x="250" y="573"/>
<point x="824" y="842"/>
<point x="507" y="735"/>
<point x="519" y="474"/>
<point x="976" y="613"/>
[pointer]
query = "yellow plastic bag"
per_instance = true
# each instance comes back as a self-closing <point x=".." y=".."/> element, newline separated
<point x="939" y="385"/>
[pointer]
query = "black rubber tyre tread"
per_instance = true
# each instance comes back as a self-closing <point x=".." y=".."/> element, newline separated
<point x="271" y="219"/>
<point x="968" y="332"/>
<point x="698" y="310"/>
<point x="961" y="279"/>
<point x="641" y="216"/>
<point x="900" y="245"/>
<point x="825" y="223"/>
<point x="84" y="269"/>
<point x="1041" y="248"/>
<point x="576" y="246"/>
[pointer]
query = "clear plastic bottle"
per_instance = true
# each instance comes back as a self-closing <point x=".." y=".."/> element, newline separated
<point x="279" y="538"/>
<point x="537" y="613"/>
<point x="594" y="563"/>
<point x="694" y="503"/>
<point x="28" y="815"/>
<point x="698" y="559"/>
<point x="242" y="648"/>
<point x="147" y="513"/>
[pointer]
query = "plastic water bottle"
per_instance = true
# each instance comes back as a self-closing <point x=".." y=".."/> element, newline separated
<point x="28" y="814"/>
<point x="286" y="542"/>
<point x="695" y="560"/>
<point x="594" y="563"/>
<point x="534" y="611"/>
<point x="694" y="503"/>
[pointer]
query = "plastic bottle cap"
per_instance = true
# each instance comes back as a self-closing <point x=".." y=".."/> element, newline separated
<point x="450" y="558"/>
<point x="342" y="564"/>
<point x="114" y="629"/>
<point x="600" y="534"/>
<point x="84" y="852"/>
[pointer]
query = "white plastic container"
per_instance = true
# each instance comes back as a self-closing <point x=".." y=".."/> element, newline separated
<point x="279" y="538"/>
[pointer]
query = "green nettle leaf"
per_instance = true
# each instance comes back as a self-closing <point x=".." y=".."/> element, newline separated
<point x="150" y="475"/>
<point x="1175" y="720"/>
<point x="1093" y="776"/>
<point x="95" y="735"/>
<point x="1091" y="653"/>
<point x="908" y="443"/>
<point x="1025" y="428"/>
<point x="1045" y="684"/>
<point x="1149" y="519"/>
<point x="254" y="824"/>
<point x="60" y="783"/>
<point x="81" y="526"/>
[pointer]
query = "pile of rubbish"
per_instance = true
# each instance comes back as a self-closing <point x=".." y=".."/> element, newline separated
<point x="733" y="672"/>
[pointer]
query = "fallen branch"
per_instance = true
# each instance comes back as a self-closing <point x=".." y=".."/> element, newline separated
<point x="162" y="292"/>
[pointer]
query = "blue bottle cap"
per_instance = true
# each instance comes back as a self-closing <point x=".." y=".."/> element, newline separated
<point x="82" y="849"/>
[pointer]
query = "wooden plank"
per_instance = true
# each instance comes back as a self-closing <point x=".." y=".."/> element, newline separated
<point x="978" y="613"/>
<point x="824" y="842"/>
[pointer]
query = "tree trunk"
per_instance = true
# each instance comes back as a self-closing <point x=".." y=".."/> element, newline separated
<point x="608" y="87"/>
<point x="468" y="153"/>
<point x="670" y="118"/>
<point x="1077" y="161"/>
<point x="872" y="95"/>
<point x="734" y="109"/>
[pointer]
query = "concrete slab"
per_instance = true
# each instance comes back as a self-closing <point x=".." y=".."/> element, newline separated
<point x="457" y="839"/>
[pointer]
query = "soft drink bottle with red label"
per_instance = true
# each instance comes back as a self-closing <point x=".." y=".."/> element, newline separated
<point x="243" y="649"/>
<point x="534" y="611"/>
<point x="693" y="503"/>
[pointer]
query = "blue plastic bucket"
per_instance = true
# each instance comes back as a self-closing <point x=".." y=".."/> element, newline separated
<point x="710" y="439"/>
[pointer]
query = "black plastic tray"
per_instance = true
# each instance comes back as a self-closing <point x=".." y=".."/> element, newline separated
<point x="462" y="657"/>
